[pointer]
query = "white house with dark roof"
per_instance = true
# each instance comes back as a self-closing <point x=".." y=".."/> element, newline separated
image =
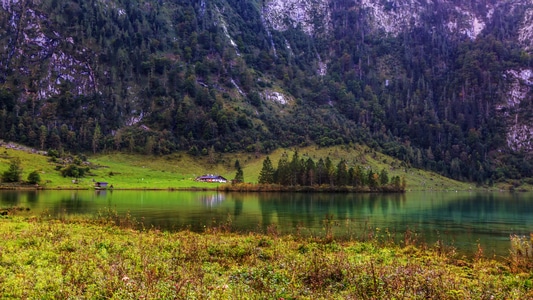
<point x="211" y="178"/>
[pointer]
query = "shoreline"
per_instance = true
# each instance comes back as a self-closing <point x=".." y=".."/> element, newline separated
<point x="255" y="188"/>
<point x="241" y="187"/>
<point x="220" y="189"/>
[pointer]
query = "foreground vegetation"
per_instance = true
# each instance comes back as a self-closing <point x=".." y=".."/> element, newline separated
<point x="110" y="257"/>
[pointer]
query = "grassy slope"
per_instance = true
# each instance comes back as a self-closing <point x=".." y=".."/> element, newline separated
<point x="31" y="162"/>
<point x="178" y="170"/>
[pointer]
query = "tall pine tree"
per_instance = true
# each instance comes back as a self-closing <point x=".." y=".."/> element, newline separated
<point x="239" y="175"/>
<point x="267" y="172"/>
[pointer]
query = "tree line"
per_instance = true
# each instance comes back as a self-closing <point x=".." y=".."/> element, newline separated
<point x="299" y="171"/>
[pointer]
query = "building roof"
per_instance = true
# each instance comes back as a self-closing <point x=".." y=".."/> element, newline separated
<point x="211" y="177"/>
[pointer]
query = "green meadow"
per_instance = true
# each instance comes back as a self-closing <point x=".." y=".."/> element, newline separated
<point x="178" y="170"/>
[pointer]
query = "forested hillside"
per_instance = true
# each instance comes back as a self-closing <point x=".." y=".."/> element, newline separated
<point x="444" y="85"/>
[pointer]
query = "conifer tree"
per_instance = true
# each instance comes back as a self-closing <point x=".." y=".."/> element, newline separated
<point x="14" y="171"/>
<point x="267" y="172"/>
<point x="396" y="182"/>
<point x="342" y="173"/>
<point x="321" y="172"/>
<point x="310" y="172"/>
<point x="359" y="176"/>
<point x="383" y="177"/>
<point x="239" y="175"/>
<point x="282" y="175"/>
<point x="330" y="171"/>
<point x="96" y="138"/>
<point x="295" y="168"/>
<point x="43" y="133"/>
<point x="372" y="178"/>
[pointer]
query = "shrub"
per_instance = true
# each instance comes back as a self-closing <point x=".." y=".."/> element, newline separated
<point x="34" y="177"/>
<point x="53" y="153"/>
<point x="14" y="172"/>
<point x="73" y="170"/>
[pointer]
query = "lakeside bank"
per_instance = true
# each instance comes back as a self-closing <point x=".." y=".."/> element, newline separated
<point x="106" y="257"/>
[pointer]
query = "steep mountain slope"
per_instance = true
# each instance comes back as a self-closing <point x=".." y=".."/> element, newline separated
<point x="442" y="84"/>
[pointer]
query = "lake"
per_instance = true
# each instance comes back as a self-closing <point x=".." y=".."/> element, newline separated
<point x="459" y="219"/>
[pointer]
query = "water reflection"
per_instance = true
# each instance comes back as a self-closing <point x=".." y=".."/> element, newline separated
<point x="32" y="197"/>
<point x="102" y="193"/>
<point x="238" y="199"/>
<point x="72" y="204"/>
<point x="212" y="200"/>
<point x="10" y="198"/>
<point x="310" y="210"/>
<point x="463" y="219"/>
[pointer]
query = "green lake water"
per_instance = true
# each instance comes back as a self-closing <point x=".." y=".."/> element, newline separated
<point x="459" y="219"/>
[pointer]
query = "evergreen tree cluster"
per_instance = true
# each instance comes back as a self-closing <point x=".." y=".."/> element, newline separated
<point x="305" y="172"/>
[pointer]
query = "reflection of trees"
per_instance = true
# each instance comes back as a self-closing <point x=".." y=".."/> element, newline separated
<point x="267" y="209"/>
<point x="238" y="198"/>
<point x="428" y="212"/>
<point x="311" y="209"/>
<point x="74" y="204"/>
<point x="10" y="198"/>
<point x="490" y="207"/>
<point x="32" y="197"/>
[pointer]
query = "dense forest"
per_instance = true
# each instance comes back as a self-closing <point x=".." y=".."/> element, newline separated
<point x="155" y="77"/>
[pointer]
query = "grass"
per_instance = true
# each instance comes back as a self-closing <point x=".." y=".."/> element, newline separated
<point x="34" y="162"/>
<point x="178" y="170"/>
<point x="105" y="257"/>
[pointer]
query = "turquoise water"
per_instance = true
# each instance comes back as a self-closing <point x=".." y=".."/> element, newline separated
<point x="462" y="220"/>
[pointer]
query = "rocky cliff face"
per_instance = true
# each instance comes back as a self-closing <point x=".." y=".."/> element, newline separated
<point x="312" y="15"/>
<point x="517" y="111"/>
<point x="389" y="16"/>
<point x="517" y="108"/>
<point x="459" y="19"/>
<point x="42" y="57"/>
<point x="519" y="94"/>
<point x="526" y="31"/>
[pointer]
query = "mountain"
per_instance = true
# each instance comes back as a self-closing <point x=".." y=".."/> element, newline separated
<point x="445" y="85"/>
